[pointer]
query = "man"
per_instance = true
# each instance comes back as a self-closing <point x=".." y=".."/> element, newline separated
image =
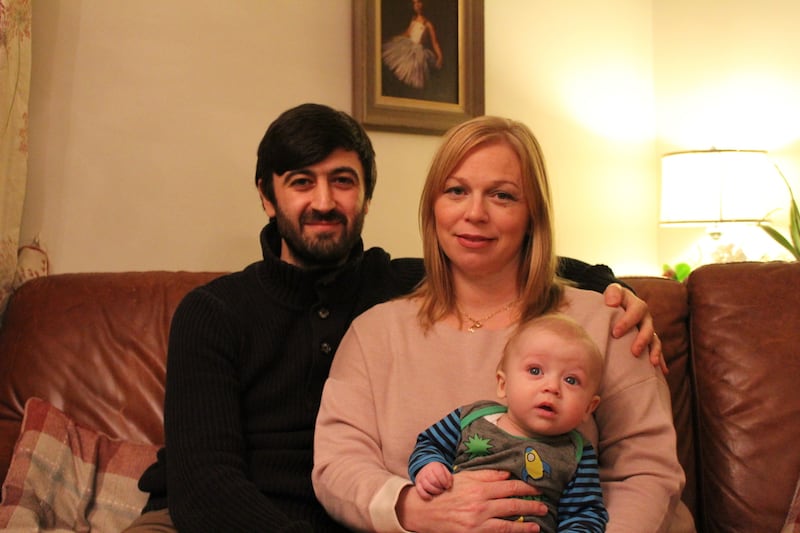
<point x="249" y="352"/>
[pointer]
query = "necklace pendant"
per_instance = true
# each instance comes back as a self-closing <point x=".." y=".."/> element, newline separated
<point x="478" y="323"/>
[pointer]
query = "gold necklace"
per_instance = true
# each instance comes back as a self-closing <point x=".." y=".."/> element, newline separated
<point x="477" y="323"/>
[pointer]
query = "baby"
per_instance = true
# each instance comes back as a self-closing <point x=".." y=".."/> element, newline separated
<point x="547" y="381"/>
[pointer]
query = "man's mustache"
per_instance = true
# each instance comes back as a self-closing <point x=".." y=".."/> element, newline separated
<point x="328" y="216"/>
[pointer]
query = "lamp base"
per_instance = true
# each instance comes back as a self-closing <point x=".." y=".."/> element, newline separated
<point x="727" y="252"/>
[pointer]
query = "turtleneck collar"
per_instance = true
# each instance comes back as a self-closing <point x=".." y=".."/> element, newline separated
<point x="299" y="284"/>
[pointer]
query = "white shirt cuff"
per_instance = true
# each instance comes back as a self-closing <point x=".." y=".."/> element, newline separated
<point x="382" y="506"/>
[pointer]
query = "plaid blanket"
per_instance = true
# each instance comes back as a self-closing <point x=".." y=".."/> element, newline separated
<point x="64" y="477"/>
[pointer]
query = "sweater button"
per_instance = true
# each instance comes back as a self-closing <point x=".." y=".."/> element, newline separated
<point x="325" y="348"/>
<point x="323" y="313"/>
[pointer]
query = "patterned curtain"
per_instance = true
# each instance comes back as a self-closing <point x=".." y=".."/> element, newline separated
<point x="15" y="74"/>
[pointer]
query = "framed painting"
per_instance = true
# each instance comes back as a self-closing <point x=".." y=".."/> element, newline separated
<point x="417" y="64"/>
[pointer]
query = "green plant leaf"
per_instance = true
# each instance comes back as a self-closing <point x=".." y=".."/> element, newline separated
<point x="794" y="227"/>
<point x="682" y="271"/>
<point x="794" y="223"/>
<point x="780" y="239"/>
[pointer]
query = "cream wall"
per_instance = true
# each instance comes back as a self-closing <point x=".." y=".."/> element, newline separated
<point x="580" y="74"/>
<point x="145" y="117"/>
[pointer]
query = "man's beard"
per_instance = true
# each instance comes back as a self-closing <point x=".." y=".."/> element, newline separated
<point x="323" y="249"/>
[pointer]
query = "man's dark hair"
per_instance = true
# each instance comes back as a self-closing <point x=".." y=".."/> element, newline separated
<point x="307" y="134"/>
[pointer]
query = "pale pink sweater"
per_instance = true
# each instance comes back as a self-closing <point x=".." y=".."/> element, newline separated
<point x="388" y="382"/>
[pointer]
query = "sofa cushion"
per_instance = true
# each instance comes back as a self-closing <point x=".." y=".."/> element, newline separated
<point x="64" y="476"/>
<point x="744" y="325"/>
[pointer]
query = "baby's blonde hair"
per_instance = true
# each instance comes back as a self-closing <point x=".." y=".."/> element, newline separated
<point x="565" y="328"/>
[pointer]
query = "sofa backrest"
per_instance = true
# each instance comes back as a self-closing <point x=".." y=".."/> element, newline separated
<point x="94" y="346"/>
<point x="745" y="327"/>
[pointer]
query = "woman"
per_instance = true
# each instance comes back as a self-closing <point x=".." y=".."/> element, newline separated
<point x="488" y="244"/>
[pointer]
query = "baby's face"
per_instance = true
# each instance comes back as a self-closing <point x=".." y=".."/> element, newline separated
<point x="549" y="383"/>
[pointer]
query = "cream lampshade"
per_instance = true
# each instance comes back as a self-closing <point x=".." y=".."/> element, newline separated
<point x="715" y="187"/>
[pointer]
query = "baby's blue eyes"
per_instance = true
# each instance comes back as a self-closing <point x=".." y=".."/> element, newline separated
<point x="570" y="380"/>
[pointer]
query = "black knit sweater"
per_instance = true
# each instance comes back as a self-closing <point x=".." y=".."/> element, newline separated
<point x="248" y="357"/>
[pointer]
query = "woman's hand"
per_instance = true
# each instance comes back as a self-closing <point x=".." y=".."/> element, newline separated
<point x="474" y="503"/>
<point x="635" y="313"/>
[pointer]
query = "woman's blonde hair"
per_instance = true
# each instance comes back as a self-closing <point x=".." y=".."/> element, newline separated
<point x="540" y="290"/>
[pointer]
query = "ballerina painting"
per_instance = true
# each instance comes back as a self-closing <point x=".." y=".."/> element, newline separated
<point x="417" y="64"/>
<point x="411" y="54"/>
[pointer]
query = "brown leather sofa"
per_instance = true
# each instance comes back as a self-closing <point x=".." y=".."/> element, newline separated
<point x="94" y="346"/>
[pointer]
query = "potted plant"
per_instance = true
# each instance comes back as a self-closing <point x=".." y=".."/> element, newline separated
<point x="794" y="224"/>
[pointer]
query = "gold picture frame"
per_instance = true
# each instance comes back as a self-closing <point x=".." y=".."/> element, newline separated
<point x="431" y="94"/>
